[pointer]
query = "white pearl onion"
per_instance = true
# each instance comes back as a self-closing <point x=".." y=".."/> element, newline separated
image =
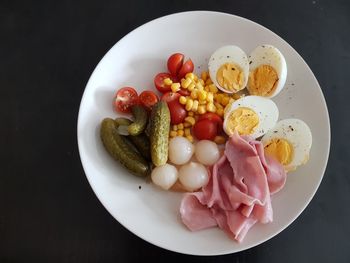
<point x="193" y="176"/>
<point x="180" y="150"/>
<point x="164" y="176"/>
<point x="207" y="152"/>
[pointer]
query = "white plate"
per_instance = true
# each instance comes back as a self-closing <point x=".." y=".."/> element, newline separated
<point x="152" y="214"/>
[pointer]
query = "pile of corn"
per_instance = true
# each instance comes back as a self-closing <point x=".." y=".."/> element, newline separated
<point x="204" y="97"/>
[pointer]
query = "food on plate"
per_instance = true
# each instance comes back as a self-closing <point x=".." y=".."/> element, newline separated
<point x="193" y="176"/>
<point x="164" y="176"/>
<point x="177" y="67"/>
<point x="289" y="142"/>
<point x="124" y="99"/>
<point x="117" y="146"/>
<point x="268" y="71"/>
<point x="180" y="150"/>
<point x="238" y="193"/>
<point x="207" y="152"/>
<point x="229" y="68"/>
<point x="203" y="137"/>
<point x="140" y="120"/>
<point x="159" y="133"/>
<point x="251" y="115"/>
<point x="177" y="111"/>
<point x="148" y="98"/>
<point x="142" y="144"/>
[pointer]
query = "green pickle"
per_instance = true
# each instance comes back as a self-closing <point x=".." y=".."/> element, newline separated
<point x="159" y="133"/>
<point x="117" y="146"/>
<point x="140" y="122"/>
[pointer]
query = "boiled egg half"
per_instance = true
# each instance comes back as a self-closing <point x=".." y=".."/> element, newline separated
<point x="267" y="71"/>
<point x="250" y="115"/>
<point x="289" y="142"/>
<point x="229" y="68"/>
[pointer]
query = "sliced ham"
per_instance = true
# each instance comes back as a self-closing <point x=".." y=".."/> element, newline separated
<point x="238" y="193"/>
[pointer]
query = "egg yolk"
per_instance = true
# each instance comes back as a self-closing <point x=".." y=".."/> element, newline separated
<point x="281" y="150"/>
<point x="243" y="120"/>
<point x="230" y="77"/>
<point x="262" y="81"/>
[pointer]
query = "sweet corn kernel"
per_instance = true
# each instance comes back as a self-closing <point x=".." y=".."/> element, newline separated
<point x="202" y="102"/>
<point x="173" y="133"/>
<point x="213" y="88"/>
<point x="190" y="120"/>
<point x="208" y="82"/>
<point x="183" y="100"/>
<point x="219" y="139"/>
<point x="190" y="138"/>
<point x="167" y="81"/>
<point x="190" y="113"/>
<point x="175" y="87"/>
<point x="202" y="95"/>
<point x="211" y="107"/>
<point x="180" y="126"/>
<point x="187" y="131"/>
<point x="225" y="100"/>
<point x="174" y="127"/>
<point x="199" y="86"/>
<point x="195" y="105"/>
<point x="219" y="97"/>
<point x="206" y="88"/>
<point x="218" y="105"/>
<point x="236" y="96"/>
<point x="195" y="78"/>
<point x="190" y="76"/>
<point x="220" y="112"/>
<point x="187" y="124"/>
<point x="194" y="94"/>
<point x="210" y="97"/>
<point x="189" y="104"/>
<point x="191" y="86"/>
<point x="202" y="82"/>
<point x="201" y="109"/>
<point x="186" y="83"/>
<point x="204" y="75"/>
<point x="180" y="133"/>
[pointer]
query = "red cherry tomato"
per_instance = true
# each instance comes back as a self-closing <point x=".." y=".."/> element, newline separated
<point x="125" y="98"/>
<point x="148" y="99"/>
<point x="187" y="67"/>
<point x="205" y="130"/>
<point x="184" y="92"/>
<point x="174" y="63"/>
<point x="159" y="82"/>
<point x="214" y="118"/>
<point x="170" y="96"/>
<point x="177" y="110"/>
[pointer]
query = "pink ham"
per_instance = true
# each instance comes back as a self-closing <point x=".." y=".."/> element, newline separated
<point x="238" y="192"/>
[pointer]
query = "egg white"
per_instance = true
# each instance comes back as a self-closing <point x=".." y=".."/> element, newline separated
<point x="270" y="55"/>
<point x="298" y="134"/>
<point x="228" y="54"/>
<point x="266" y="110"/>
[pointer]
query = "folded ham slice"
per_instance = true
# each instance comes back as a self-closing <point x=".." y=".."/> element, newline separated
<point x="238" y="192"/>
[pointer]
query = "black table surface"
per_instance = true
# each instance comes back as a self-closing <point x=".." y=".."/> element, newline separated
<point x="48" y="49"/>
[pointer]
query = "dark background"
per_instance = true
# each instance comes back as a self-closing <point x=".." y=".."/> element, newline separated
<point x="48" y="49"/>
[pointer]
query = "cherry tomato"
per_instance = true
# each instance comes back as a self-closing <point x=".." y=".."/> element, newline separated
<point x="159" y="81"/>
<point x="205" y="130"/>
<point x="184" y="92"/>
<point x="170" y="96"/>
<point x="187" y="67"/>
<point x="177" y="110"/>
<point x="174" y="63"/>
<point x="148" y="99"/>
<point x="125" y="98"/>
<point x="214" y="118"/>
